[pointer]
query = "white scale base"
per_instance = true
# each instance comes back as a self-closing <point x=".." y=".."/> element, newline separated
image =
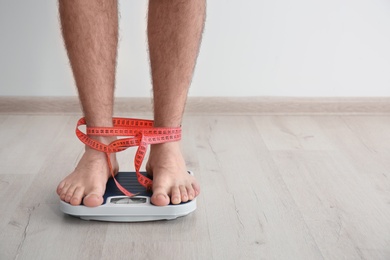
<point x="120" y="208"/>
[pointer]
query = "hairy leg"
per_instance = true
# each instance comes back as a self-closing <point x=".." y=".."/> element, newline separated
<point x="174" y="33"/>
<point x="90" y="32"/>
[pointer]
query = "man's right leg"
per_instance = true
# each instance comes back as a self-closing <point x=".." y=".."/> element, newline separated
<point x="90" y="31"/>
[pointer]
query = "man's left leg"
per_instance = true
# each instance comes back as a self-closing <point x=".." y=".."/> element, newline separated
<point x="174" y="32"/>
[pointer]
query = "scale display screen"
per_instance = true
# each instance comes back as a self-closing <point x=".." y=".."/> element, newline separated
<point x="128" y="200"/>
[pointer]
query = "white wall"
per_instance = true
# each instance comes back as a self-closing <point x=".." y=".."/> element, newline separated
<point x="250" y="48"/>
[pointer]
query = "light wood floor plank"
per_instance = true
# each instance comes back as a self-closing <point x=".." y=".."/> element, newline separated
<point x="315" y="183"/>
<point x="251" y="211"/>
<point x="27" y="139"/>
<point x="273" y="187"/>
<point x="292" y="133"/>
<point x="367" y="182"/>
<point x="12" y="189"/>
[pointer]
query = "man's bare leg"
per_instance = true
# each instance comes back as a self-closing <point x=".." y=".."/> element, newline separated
<point x="90" y="31"/>
<point x="174" y="32"/>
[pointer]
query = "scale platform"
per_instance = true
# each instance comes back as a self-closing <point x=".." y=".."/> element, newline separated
<point x="119" y="208"/>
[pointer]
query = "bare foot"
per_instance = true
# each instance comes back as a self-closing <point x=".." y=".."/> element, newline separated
<point x="171" y="181"/>
<point x="87" y="183"/>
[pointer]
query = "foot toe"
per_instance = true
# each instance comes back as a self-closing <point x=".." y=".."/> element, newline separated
<point x="93" y="200"/>
<point x="64" y="191"/>
<point x="190" y="192"/>
<point x="183" y="193"/>
<point x="175" y="195"/>
<point x="69" y="193"/>
<point x="77" y="197"/>
<point x="160" y="197"/>
<point x="196" y="188"/>
<point x="60" y="187"/>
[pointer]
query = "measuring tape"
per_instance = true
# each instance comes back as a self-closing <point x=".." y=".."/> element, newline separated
<point x="141" y="133"/>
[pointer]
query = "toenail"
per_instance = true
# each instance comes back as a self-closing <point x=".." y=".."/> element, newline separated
<point x="161" y="196"/>
<point x="89" y="196"/>
<point x="74" y="201"/>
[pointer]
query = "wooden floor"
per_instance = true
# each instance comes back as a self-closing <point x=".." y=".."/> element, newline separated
<point x="273" y="187"/>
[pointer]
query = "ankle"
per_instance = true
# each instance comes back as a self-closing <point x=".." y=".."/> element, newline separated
<point x="167" y="145"/>
<point x="103" y="139"/>
<point x="173" y="122"/>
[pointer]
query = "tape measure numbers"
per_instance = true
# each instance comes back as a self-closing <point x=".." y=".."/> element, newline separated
<point x="138" y="132"/>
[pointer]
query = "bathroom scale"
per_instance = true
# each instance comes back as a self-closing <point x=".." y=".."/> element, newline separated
<point x="120" y="208"/>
